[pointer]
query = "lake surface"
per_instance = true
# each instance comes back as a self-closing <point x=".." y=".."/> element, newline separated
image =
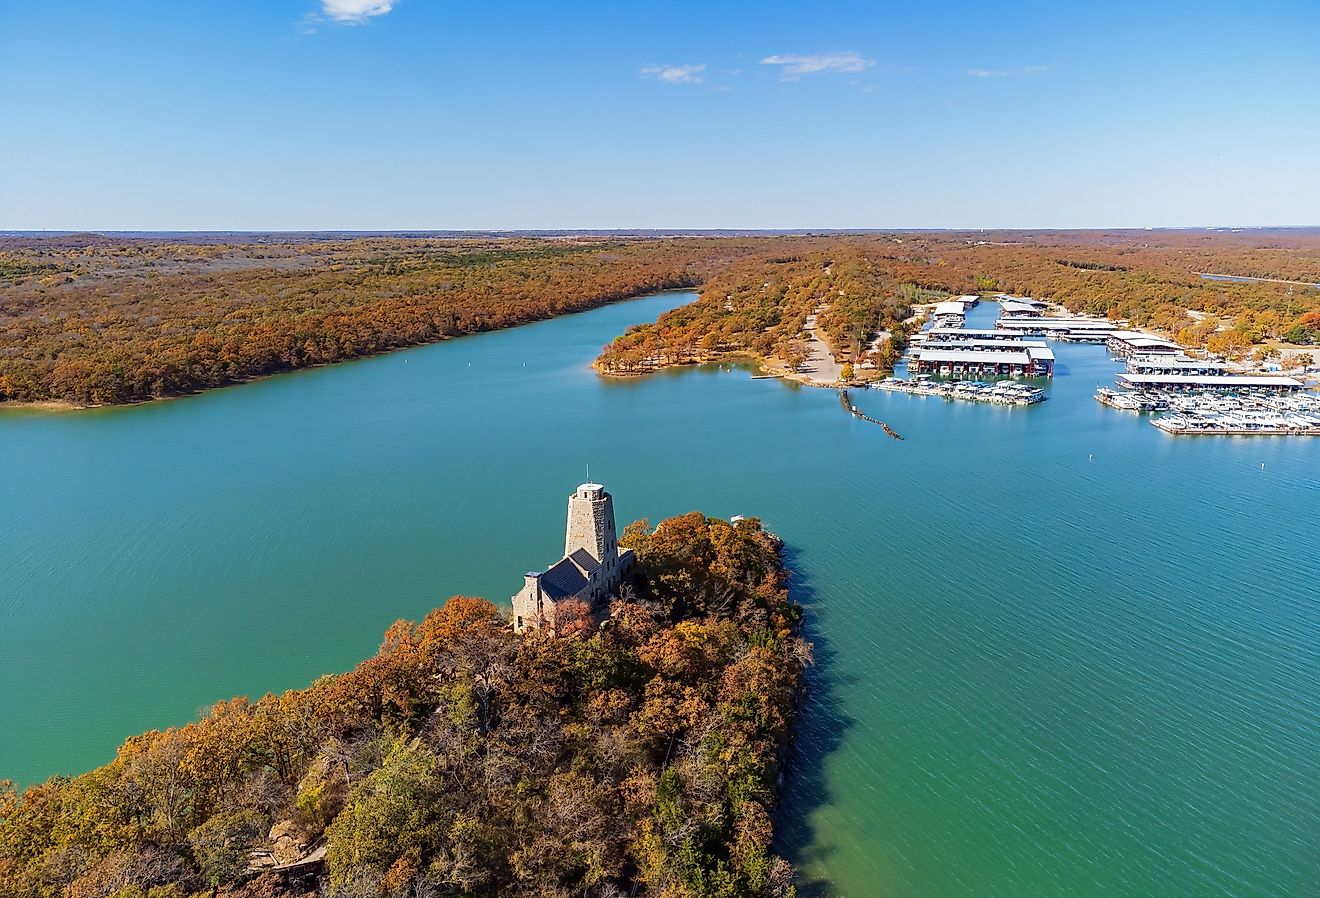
<point x="1247" y="279"/>
<point x="1060" y="653"/>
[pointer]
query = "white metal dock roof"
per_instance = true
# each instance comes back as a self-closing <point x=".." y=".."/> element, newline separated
<point x="1060" y="324"/>
<point x="1139" y="340"/>
<point x="969" y="333"/>
<point x="965" y="356"/>
<point x="1003" y="344"/>
<point x="1209" y="380"/>
<point x="1158" y="361"/>
<point x="1014" y="307"/>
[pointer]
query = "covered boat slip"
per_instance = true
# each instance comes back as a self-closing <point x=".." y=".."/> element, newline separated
<point x="949" y="313"/>
<point x="1014" y="308"/>
<point x="1027" y="361"/>
<point x="1038" y="304"/>
<point x="991" y="344"/>
<point x="1054" y="326"/>
<point x="1162" y="363"/>
<point x="964" y="334"/>
<point x="1130" y="343"/>
<point x="1204" y="382"/>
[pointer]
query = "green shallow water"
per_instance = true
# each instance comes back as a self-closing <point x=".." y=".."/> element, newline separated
<point x="1061" y="653"/>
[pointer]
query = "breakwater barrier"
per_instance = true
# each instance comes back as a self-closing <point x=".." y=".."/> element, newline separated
<point x="858" y="413"/>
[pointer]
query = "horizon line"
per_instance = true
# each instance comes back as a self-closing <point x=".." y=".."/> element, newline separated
<point x="65" y="232"/>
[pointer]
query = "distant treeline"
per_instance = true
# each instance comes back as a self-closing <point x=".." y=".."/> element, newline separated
<point x="634" y="758"/>
<point x="89" y="320"/>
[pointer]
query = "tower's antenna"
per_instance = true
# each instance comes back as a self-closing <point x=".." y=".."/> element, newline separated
<point x="588" y="472"/>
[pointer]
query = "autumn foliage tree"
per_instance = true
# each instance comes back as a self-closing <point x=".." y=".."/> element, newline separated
<point x="636" y="756"/>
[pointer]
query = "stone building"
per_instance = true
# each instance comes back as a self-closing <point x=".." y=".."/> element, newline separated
<point x="591" y="570"/>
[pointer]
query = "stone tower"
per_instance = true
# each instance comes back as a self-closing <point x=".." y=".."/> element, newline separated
<point x="591" y="525"/>
<point x="590" y="572"/>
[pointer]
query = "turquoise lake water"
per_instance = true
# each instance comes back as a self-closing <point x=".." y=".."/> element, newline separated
<point x="1060" y="653"/>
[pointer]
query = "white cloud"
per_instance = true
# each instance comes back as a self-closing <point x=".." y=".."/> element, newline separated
<point x="1007" y="73"/>
<point x="355" y="10"/>
<point x="794" y="66"/>
<point x="676" y="74"/>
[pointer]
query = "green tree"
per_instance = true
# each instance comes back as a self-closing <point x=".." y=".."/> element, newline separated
<point x="222" y="844"/>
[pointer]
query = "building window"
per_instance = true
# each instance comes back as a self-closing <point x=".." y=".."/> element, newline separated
<point x="520" y="622"/>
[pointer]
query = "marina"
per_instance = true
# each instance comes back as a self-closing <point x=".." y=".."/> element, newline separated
<point x="1186" y="395"/>
<point x="1202" y="398"/>
<point x="1229" y="414"/>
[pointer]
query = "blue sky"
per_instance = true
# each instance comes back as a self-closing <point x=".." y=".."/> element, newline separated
<point x="372" y="114"/>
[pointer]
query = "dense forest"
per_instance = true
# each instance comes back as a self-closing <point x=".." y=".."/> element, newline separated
<point x="98" y="321"/>
<point x="759" y="307"/>
<point x="94" y="320"/>
<point x="635" y="755"/>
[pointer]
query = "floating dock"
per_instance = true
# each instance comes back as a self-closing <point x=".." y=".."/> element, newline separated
<point x="969" y="391"/>
<point x="998" y="358"/>
<point x="1129" y="402"/>
<point x="1238" y="425"/>
<point x="1220" y="413"/>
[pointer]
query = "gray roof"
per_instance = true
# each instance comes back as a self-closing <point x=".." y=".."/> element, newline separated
<point x="1211" y="380"/>
<point x="1011" y="344"/>
<point x="964" y="356"/>
<point x="965" y="333"/>
<point x="1141" y="361"/>
<point x="585" y="561"/>
<point x="1061" y="324"/>
<point x="563" y="580"/>
<point x="1013" y="306"/>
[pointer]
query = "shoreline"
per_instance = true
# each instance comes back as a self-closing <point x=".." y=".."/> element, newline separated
<point x="68" y="405"/>
<point x="822" y="357"/>
<point x="765" y="369"/>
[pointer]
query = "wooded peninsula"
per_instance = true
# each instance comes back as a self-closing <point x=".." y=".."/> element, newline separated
<point x="637" y="755"/>
<point x="93" y="320"/>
